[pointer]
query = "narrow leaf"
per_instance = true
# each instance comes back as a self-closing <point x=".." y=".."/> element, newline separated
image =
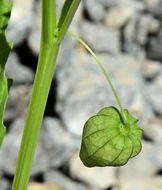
<point x="67" y="13"/>
<point x="5" y="48"/>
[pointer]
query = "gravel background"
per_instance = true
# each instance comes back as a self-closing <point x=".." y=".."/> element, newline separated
<point x="127" y="37"/>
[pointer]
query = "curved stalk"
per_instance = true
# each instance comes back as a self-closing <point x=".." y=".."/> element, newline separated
<point x="103" y="70"/>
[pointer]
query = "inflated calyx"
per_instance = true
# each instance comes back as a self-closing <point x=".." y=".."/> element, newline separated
<point x="107" y="140"/>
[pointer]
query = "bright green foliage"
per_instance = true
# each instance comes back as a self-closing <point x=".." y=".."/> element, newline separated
<point x="5" y="48"/>
<point x="66" y="16"/>
<point x="108" y="141"/>
<point x="51" y="37"/>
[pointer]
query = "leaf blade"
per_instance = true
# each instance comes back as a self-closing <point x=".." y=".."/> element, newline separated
<point x="5" y="48"/>
<point x="68" y="10"/>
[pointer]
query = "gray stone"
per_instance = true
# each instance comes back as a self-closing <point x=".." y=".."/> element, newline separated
<point x="20" y="22"/>
<point x="44" y="186"/>
<point x="56" y="150"/>
<point x="69" y="44"/>
<point x="10" y="147"/>
<point x="155" y="90"/>
<point x="19" y="73"/>
<point x="145" y="165"/>
<point x="51" y="150"/>
<point x="135" y="38"/>
<point x="94" y="7"/>
<point x="141" y="165"/>
<point x="65" y="55"/>
<point x="100" y="38"/>
<point x="78" y="101"/>
<point x="155" y="131"/>
<point x="154" y="6"/>
<point x="108" y="3"/>
<point x="146" y="25"/>
<point x="4" y="184"/>
<point x="100" y="177"/>
<point x="151" y="69"/>
<point x="18" y="101"/>
<point x="119" y="15"/>
<point x="104" y="3"/>
<point x="75" y="101"/>
<point x="142" y="110"/>
<point x="34" y="35"/>
<point x="54" y="176"/>
<point x="154" y="47"/>
<point x="126" y="74"/>
<point x="55" y="146"/>
<point x="142" y="183"/>
<point x="130" y="33"/>
<point x="136" y="31"/>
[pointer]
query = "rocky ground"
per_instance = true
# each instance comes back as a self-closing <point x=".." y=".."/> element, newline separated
<point x="127" y="37"/>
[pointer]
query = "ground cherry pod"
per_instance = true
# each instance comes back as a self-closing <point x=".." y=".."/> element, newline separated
<point x="108" y="141"/>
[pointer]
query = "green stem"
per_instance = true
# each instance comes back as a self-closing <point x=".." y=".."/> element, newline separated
<point x="48" y="54"/>
<point x="103" y="70"/>
<point x="50" y="43"/>
<point x="48" y="21"/>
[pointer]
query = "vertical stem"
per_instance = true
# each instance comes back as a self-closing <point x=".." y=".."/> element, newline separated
<point x="48" y="20"/>
<point x="48" y="54"/>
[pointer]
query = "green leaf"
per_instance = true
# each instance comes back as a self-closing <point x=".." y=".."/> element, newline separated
<point x="5" y="48"/>
<point x="107" y="141"/>
<point x="67" y="13"/>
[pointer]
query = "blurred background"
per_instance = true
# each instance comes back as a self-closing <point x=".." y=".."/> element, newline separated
<point x="127" y="37"/>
